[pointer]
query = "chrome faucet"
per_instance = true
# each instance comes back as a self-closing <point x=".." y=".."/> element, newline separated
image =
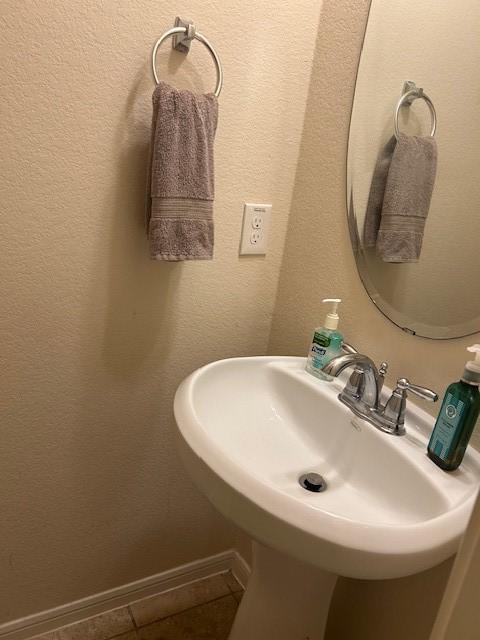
<point x="362" y="391"/>
<point x="363" y="383"/>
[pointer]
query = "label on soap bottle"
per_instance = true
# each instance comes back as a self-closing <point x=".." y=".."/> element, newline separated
<point x="318" y="350"/>
<point x="450" y="417"/>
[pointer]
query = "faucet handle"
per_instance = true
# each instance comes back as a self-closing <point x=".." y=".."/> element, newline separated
<point x="394" y="410"/>
<point x="382" y="372"/>
<point x="422" y="392"/>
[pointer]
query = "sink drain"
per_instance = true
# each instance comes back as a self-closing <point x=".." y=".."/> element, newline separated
<point x="313" y="482"/>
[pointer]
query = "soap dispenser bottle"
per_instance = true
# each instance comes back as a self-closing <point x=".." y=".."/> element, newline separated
<point x="326" y="342"/>
<point x="457" y="417"/>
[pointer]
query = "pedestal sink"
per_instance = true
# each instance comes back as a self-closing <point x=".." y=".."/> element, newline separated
<point x="251" y="427"/>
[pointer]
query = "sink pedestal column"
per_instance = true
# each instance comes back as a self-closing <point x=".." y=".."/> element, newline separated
<point x="285" y="599"/>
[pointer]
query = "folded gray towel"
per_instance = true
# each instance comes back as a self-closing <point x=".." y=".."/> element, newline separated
<point x="406" y="201"/>
<point x="180" y="194"/>
<point x="373" y="213"/>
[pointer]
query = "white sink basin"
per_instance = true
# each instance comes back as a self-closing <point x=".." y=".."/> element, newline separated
<point x="250" y="427"/>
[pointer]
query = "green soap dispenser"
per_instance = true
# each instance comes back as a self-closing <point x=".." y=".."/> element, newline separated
<point x="326" y="342"/>
<point x="458" y="416"/>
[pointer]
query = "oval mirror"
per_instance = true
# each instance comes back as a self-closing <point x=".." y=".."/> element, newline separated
<point x="414" y="46"/>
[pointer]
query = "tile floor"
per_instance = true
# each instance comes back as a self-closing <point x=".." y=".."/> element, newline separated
<point x="202" y="610"/>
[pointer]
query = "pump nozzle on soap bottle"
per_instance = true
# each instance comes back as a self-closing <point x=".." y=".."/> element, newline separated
<point x="472" y="367"/>
<point x="326" y="342"/>
<point x="332" y="317"/>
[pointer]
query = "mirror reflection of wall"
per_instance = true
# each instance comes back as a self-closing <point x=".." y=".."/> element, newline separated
<point x="435" y="44"/>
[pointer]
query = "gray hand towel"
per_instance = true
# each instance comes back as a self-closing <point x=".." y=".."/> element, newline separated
<point x="377" y="192"/>
<point x="406" y="201"/>
<point x="180" y="193"/>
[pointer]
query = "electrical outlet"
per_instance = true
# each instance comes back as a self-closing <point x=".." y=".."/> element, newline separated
<point x="255" y="237"/>
<point x="256" y="223"/>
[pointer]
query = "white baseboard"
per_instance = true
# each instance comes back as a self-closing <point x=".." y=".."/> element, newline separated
<point x="71" y="612"/>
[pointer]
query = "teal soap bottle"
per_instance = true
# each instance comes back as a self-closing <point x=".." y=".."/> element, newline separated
<point x="457" y="417"/>
<point x="326" y="342"/>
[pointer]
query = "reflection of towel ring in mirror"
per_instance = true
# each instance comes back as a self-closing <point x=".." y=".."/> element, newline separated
<point x="407" y="98"/>
<point x="197" y="36"/>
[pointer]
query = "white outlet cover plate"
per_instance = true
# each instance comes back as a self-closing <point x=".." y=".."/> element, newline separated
<point x="256" y="224"/>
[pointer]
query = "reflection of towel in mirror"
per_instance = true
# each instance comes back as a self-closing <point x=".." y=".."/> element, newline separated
<point x="377" y="191"/>
<point x="407" y="199"/>
<point x="399" y="198"/>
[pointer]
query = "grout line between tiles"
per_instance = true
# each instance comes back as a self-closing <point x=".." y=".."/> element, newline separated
<point x="228" y="585"/>
<point x="132" y="617"/>
<point x="196" y="606"/>
<point x="119" y="635"/>
<point x="226" y="582"/>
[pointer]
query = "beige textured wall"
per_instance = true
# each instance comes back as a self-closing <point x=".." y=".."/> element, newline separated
<point x="318" y="263"/>
<point x="94" y="336"/>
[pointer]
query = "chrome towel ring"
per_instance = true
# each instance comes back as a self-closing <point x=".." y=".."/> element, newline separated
<point x="189" y="33"/>
<point x="410" y="93"/>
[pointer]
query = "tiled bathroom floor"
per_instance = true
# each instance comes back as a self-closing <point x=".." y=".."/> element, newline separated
<point x="202" y="610"/>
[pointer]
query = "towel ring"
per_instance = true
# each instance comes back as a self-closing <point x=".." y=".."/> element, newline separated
<point x="408" y="98"/>
<point x="197" y="36"/>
